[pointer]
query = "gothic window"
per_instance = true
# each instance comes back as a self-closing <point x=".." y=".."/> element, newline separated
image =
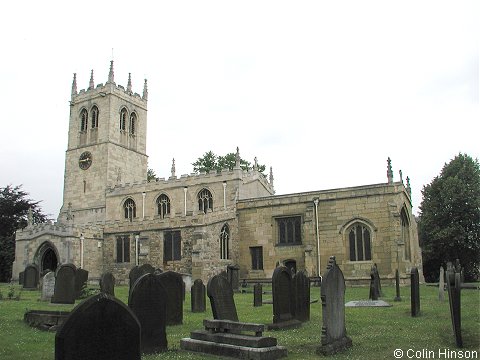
<point x="256" y="253"/>
<point x="133" y="123"/>
<point x="205" y="201"/>
<point x="172" y="246"/>
<point x="163" y="205"/>
<point x="123" y="119"/>
<point x="83" y="120"/>
<point x="123" y="248"/>
<point x="224" y="242"/>
<point x="130" y="209"/>
<point x="359" y="241"/>
<point x="94" y="113"/>
<point x="289" y="230"/>
<point x="405" y="233"/>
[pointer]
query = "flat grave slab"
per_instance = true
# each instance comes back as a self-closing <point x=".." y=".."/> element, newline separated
<point x="367" y="303"/>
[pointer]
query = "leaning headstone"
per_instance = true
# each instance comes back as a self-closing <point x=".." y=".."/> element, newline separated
<point x="301" y="296"/>
<point x="454" y="285"/>
<point x="81" y="278"/>
<point x="334" y="335"/>
<point x="257" y="294"/>
<point x="233" y="277"/>
<point x="30" y="277"/>
<point x="198" y="296"/>
<point x="101" y="327"/>
<point x="415" y="292"/>
<point x="148" y="301"/>
<point x="282" y="294"/>
<point x="173" y="284"/>
<point x="107" y="283"/>
<point x="441" y="285"/>
<point x="220" y="293"/>
<point x="48" y="286"/>
<point x="64" y="284"/>
<point x="397" y="286"/>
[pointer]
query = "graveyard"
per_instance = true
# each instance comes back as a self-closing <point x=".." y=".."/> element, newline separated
<point x="374" y="331"/>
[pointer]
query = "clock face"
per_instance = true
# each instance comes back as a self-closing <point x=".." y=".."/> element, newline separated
<point x="85" y="160"/>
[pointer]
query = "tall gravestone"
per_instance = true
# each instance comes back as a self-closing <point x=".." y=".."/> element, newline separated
<point x="81" y="278"/>
<point x="107" y="283"/>
<point x="377" y="280"/>
<point x="397" y="286"/>
<point x="174" y="286"/>
<point x="148" y="301"/>
<point x="301" y="296"/>
<point x="283" y="300"/>
<point x="220" y="293"/>
<point x="198" y="298"/>
<point x="257" y="294"/>
<point x="30" y="277"/>
<point x="334" y="335"/>
<point x="374" y="291"/>
<point x="21" y="277"/>
<point x="101" y="327"/>
<point x="454" y="284"/>
<point x="138" y="271"/>
<point x="48" y="286"/>
<point x="64" y="284"/>
<point x="415" y="292"/>
<point x="441" y="285"/>
<point x="233" y="277"/>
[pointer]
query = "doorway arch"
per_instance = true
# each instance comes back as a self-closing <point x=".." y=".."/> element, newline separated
<point x="46" y="258"/>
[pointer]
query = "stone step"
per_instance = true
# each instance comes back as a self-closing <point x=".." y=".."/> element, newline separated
<point x="234" y="339"/>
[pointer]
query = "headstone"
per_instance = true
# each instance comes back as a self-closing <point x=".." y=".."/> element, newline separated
<point x="81" y="278"/>
<point x="334" y="337"/>
<point x="454" y="285"/>
<point x="48" y="286"/>
<point x="100" y="327"/>
<point x="397" y="286"/>
<point x="107" y="283"/>
<point x="146" y="269"/>
<point x="233" y="277"/>
<point x="64" y="284"/>
<point x="283" y="300"/>
<point x="220" y="293"/>
<point x="30" y="277"/>
<point x="415" y="292"/>
<point x="21" y="276"/>
<point x="148" y="301"/>
<point x="301" y="296"/>
<point x="174" y="286"/>
<point x="138" y="271"/>
<point x="257" y="294"/>
<point x="377" y="280"/>
<point x="441" y="285"/>
<point x="198" y="296"/>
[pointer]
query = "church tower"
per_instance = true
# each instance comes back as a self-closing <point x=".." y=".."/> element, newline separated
<point x="106" y="146"/>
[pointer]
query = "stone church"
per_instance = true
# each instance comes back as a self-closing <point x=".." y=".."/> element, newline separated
<point x="112" y="218"/>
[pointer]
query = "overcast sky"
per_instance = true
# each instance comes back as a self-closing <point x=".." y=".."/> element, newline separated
<point x="322" y="91"/>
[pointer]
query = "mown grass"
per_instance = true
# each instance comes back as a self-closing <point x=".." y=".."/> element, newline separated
<point x="375" y="332"/>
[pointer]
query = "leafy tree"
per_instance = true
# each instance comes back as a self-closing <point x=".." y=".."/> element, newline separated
<point x="14" y="208"/>
<point x="449" y="226"/>
<point x="211" y="162"/>
<point x="151" y="176"/>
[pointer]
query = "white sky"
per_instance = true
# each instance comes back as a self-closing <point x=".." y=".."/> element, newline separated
<point x="322" y="91"/>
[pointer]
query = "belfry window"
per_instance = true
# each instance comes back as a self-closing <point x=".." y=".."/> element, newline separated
<point x="130" y="209"/>
<point x="359" y="243"/>
<point x="163" y="206"/>
<point x="224" y="242"/>
<point x="123" y="119"/>
<point x="83" y="120"/>
<point x="205" y="201"/>
<point x="94" y="113"/>
<point x="133" y="123"/>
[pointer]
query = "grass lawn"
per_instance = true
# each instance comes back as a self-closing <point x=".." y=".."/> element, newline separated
<point x="375" y="332"/>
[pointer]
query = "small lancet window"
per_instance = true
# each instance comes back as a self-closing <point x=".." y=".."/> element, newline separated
<point x="83" y="120"/>
<point x="94" y="113"/>
<point x="224" y="242"/>
<point x="123" y="119"/>
<point x="133" y="123"/>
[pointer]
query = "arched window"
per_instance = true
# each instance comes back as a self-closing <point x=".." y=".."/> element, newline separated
<point x="405" y="233"/>
<point x="83" y="120"/>
<point x="130" y="209"/>
<point x="205" y="201"/>
<point x="163" y="205"/>
<point x="224" y="242"/>
<point x="94" y="113"/>
<point x="123" y="119"/>
<point x="359" y="241"/>
<point x="133" y="123"/>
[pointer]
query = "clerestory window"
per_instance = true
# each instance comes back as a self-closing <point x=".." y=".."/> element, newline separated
<point x="163" y="206"/>
<point x="205" y="201"/>
<point x="130" y="209"/>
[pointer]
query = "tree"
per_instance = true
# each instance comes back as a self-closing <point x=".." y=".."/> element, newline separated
<point x="14" y="209"/>
<point x="151" y="176"/>
<point x="449" y="226"/>
<point x="209" y="162"/>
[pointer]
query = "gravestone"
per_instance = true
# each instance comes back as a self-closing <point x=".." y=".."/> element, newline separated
<point x="233" y="277"/>
<point x="397" y="286"/>
<point x="283" y="305"/>
<point x="148" y="301"/>
<point x="301" y="296"/>
<point x="441" y="285"/>
<point x="81" y="278"/>
<point x="64" y="284"/>
<point x="334" y="336"/>
<point x="374" y="284"/>
<point x="48" y="286"/>
<point x="454" y="285"/>
<point x="220" y="293"/>
<point x="138" y="271"/>
<point x="198" y="298"/>
<point x="107" y="283"/>
<point x="377" y="280"/>
<point x="100" y="327"/>
<point x="174" y="286"/>
<point x="21" y="276"/>
<point x="30" y="277"/>
<point x="415" y="292"/>
<point x="257" y="294"/>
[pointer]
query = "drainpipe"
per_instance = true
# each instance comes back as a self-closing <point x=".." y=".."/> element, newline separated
<point x="81" y="250"/>
<point x="185" y="199"/>
<point x="315" y="201"/>
<point x="143" y="205"/>
<point x="136" y="249"/>
<point x="224" y="195"/>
